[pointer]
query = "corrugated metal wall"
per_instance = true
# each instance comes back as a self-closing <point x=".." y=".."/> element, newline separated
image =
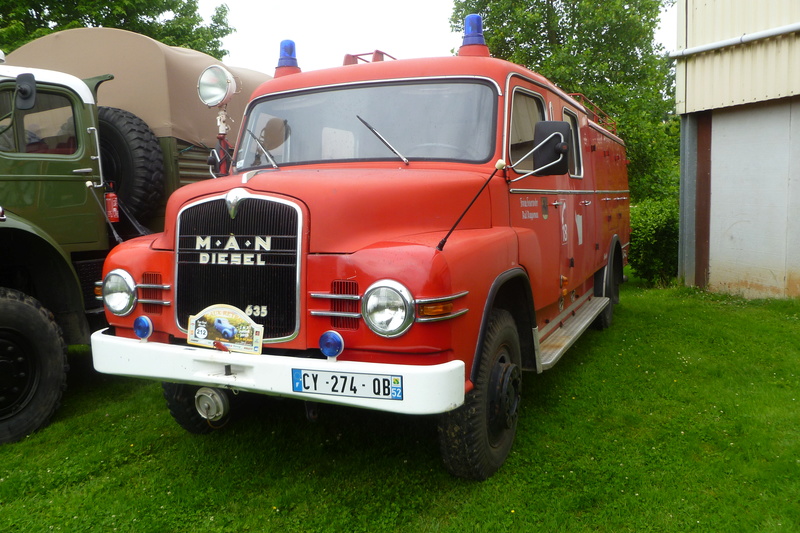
<point x="742" y="74"/>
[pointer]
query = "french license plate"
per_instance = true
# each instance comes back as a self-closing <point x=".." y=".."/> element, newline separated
<point x="380" y="386"/>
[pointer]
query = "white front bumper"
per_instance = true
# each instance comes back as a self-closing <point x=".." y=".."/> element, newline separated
<point x="426" y="389"/>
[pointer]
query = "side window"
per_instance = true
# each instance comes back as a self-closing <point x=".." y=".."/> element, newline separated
<point x="575" y="165"/>
<point x="7" y="142"/>
<point x="48" y="128"/>
<point x="526" y="110"/>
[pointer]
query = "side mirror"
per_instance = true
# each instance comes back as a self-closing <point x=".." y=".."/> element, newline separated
<point x="26" y="92"/>
<point x="214" y="162"/>
<point x="551" y="148"/>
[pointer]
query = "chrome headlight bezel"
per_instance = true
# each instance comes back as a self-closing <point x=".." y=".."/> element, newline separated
<point x="119" y="292"/>
<point x="387" y="308"/>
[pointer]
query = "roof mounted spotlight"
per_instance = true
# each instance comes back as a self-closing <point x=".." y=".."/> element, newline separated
<point x="473" y="43"/>
<point x="287" y="60"/>
<point x="216" y="86"/>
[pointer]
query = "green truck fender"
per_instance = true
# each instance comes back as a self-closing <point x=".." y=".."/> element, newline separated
<point x="32" y="262"/>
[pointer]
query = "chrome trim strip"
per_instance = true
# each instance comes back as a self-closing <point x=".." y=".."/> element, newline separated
<point x="569" y="192"/>
<point x="441" y="318"/>
<point x="339" y="314"/>
<point x="440" y="299"/>
<point x="298" y="252"/>
<point x="153" y="286"/>
<point x="165" y="303"/>
<point x="328" y="296"/>
<point x="388" y="81"/>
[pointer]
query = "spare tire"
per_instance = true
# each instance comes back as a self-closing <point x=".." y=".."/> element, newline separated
<point x="132" y="161"/>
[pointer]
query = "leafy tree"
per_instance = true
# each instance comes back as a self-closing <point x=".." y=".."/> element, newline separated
<point x="605" y="50"/>
<point x="173" y="22"/>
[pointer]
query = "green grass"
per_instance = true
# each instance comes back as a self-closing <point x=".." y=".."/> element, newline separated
<point x="684" y="416"/>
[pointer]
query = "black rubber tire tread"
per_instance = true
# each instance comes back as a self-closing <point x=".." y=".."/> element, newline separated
<point x="26" y="325"/>
<point x="464" y="439"/>
<point x="609" y="287"/>
<point x="132" y="160"/>
<point x="180" y="402"/>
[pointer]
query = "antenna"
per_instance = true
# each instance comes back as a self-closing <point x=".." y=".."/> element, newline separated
<point x="500" y="165"/>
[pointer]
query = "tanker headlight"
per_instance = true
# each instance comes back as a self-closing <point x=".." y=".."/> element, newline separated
<point x="119" y="292"/>
<point x="388" y="308"/>
<point x="216" y="86"/>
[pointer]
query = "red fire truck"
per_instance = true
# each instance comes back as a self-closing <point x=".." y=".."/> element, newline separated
<point x="398" y="235"/>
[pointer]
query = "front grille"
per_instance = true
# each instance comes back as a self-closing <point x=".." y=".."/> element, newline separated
<point x="249" y="261"/>
<point x="89" y="272"/>
<point x="152" y="293"/>
<point x="350" y="288"/>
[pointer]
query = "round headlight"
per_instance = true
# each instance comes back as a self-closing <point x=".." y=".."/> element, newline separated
<point x="216" y="86"/>
<point x="388" y="308"/>
<point x="119" y="292"/>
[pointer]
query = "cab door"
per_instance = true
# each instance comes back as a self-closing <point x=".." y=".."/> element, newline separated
<point x="45" y="162"/>
<point x="536" y="209"/>
<point x="578" y="226"/>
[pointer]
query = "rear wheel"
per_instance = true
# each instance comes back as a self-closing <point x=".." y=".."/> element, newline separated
<point x="33" y="365"/>
<point x="476" y="438"/>
<point x="606" y="283"/>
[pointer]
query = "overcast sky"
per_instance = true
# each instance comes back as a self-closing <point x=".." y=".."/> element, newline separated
<point x="325" y="30"/>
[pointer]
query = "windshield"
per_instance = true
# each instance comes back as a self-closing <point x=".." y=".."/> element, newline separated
<point x="431" y="120"/>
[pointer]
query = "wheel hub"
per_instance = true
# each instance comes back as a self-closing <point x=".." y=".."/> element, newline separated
<point x="17" y="375"/>
<point x="504" y="400"/>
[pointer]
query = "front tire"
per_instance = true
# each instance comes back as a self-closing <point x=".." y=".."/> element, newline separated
<point x="33" y="365"/>
<point x="476" y="438"/>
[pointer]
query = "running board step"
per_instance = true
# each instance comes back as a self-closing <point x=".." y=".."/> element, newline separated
<point x="560" y="340"/>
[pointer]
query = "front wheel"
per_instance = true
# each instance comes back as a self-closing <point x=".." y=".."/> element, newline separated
<point x="476" y="438"/>
<point x="33" y="365"/>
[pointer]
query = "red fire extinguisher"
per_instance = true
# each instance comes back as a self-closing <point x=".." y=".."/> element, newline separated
<point x="112" y="206"/>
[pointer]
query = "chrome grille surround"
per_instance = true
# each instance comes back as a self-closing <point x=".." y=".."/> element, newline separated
<point x="243" y="250"/>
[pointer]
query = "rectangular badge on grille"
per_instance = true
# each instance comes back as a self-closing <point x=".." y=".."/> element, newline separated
<point x="225" y="326"/>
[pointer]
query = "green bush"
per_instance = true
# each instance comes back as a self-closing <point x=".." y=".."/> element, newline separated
<point x="653" y="253"/>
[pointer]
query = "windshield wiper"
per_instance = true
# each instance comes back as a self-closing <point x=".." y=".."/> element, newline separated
<point x="266" y="152"/>
<point x="384" y="141"/>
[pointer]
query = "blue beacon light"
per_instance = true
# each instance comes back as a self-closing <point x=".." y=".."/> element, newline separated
<point x="473" y="30"/>
<point x="288" y="57"/>
<point x="331" y="344"/>
<point x="143" y="327"/>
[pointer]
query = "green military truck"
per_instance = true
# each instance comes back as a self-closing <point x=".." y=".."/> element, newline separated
<point x="60" y="153"/>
